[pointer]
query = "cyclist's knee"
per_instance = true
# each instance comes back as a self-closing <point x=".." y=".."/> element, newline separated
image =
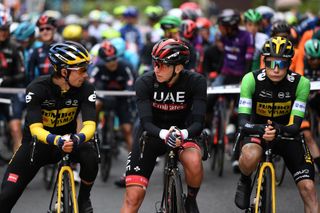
<point x="250" y="156"/>
<point x="134" y="196"/>
<point x="307" y="189"/>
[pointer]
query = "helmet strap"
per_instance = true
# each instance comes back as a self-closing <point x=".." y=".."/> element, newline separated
<point x="66" y="78"/>
<point x="173" y="75"/>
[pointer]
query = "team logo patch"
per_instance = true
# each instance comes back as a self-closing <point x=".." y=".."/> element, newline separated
<point x="92" y="97"/>
<point x="13" y="177"/>
<point x="29" y="97"/>
<point x="245" y="102"/>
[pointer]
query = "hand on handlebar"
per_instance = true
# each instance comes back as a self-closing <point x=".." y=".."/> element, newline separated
<point x="270" y="132"/>
<point x="173" y="138"/>
<point x="66" y="144"/>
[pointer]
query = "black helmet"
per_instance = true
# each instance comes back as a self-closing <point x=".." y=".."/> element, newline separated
<point x="68" y="54"/>
<point x="229" y="17"/>
<point x="280" y="27"/>
<point x="107" y="51"/>
<point x="278" y="47"/>
<point x="46" y="20"/>
<point x="171" y="52"/>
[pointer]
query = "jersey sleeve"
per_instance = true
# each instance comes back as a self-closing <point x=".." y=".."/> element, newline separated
<point x="302" y="94"/>
<point x="246" y="92"/>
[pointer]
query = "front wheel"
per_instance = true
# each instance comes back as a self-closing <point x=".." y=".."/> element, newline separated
<point x="266" y="200"/>
<point x="174" y="195"/>
<point x="67" y="195"/>
<point x="280" y="169"/>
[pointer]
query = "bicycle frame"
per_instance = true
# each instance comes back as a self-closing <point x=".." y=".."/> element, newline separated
<point x="65" y="168"/>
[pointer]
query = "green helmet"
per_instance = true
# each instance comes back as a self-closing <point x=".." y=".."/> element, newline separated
<point x="170" y="22"/>
<point x="119" y="10"/>
<point x="252" y="16"/>
<point x="312" y="48"/>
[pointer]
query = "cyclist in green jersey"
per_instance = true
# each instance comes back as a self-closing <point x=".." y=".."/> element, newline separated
<point x="272" y="103"/>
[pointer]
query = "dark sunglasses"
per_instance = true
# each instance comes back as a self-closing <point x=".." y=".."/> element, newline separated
<point x="78" y="69"/>
<point x="280" y="63"/>
<point x="45" y="28"/>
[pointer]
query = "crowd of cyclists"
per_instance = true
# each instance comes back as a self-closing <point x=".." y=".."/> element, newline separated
<point x="113" y="50"/>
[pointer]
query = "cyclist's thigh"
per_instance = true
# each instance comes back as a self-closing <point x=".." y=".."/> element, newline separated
<point x="87" y="156"/>
<point x="143" y="167"/>
<point x="20" y="172"/>
<point x="297" y="158"/>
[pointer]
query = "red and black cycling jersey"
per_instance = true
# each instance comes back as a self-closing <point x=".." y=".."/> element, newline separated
<point x="55" y="109"/>
<point x="182" y="104"/>
<point x="11" y="67"/>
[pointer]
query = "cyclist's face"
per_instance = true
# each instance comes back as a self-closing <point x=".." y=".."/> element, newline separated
<point x="112" y="65"/>
<point x="77" y="76"/>
<point x="4" y="34"/>
<point x="252" y="27"/>
<point x="162" y="71"/>
<point x="314" y="63"/>
<point x="46" y="33"/>
<point x="276" y="68"/>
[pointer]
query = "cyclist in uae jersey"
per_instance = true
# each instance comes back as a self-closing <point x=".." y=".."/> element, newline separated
<point x="272" y="102"/>
<point x="169" y="96"/>
<point x="53" y="103"/>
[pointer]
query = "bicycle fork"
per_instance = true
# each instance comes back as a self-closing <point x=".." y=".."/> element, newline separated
<point x="264" y="166"/>
<point x="68" y="170"/>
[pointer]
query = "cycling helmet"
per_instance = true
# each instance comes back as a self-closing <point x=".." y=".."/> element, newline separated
<point x="24" y="31"/>
<point x="5" y="20"/>
<point x="131" y="12"/>
<point x="72" y="32"/>
<point x="119" y="10"/>
<point x="110" y="33"/>
<point x="107" y="51"/>
<point x="170" y="22"/>
<point x="203" y="23"/>
<point x="120" y="45"/>
<point x="189" y="14"/>
<point x="175" y="12"/>
<point x="312" y="48"/>
<point x="188" y="29"/>
<point x="171" y="52"/>
<point x="280" y="27"/>
<point x="278" y="47"/>
<point x="229" y="17"/>
<point x="266" y="12"/>
<point x="189" y="5"/>
<point x="94" y="15"/>
<point x="46" y="20"/>
<point x="252" y="16"/>
<point x="72" y="19"/>
<point x="154" y="12"/>
<point x="68" y="54"/>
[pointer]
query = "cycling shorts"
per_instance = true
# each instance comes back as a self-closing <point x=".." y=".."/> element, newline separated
<point x="141" y="164"/>
<point x="295" y="153"/>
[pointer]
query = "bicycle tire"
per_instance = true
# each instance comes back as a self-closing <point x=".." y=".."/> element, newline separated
<point x="49" y="175"/>
<point x="280" y="169"/>
<point x="105" y="165"/>
<point x="174" y="198"/>
<point x="266" y="201"/>
<point x="67" y="198"/>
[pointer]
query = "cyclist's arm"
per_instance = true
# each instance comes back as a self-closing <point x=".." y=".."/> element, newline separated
<point x="144" y="108"/>
<point x="245" y="106"/>
<point x="298" y="108"/>
<point x="198" y="108"/>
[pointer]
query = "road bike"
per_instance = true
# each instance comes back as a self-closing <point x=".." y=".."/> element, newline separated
<point x="264" y="179"/>
<point x="173" y="197"/>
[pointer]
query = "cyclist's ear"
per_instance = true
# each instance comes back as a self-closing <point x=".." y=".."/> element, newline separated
<point x="64" y="72"/>
<point x="179" y="68"/>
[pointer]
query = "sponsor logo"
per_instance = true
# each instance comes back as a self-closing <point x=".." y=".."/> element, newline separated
<point x="261" y="76"/>
<point x="281" y="95"/>
<point x="173" y="55"/>
<point x="299" y="106"/>
<point x="245" y="102"/>
<point x="169" y="107"/>
<point x="177" y="97"/>
<point x="49" y="103"/>
<point x="273" y="109"/>
<point x="290" y="78"/>
<point x="29" y="97"/>
<point x="92" y="97"/>
<point x="265" y="94"/>
<point x="13" y="177"/>
<point x="63" y="117"/>
<point x="68" y="102"/>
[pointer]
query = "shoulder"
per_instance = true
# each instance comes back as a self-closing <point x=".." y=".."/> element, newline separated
<point x="40" y="85"/>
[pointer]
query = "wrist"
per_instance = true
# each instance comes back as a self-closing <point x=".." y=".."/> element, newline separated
<point x="163" y="134"/>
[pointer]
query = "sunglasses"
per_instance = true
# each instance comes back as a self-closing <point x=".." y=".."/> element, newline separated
<point x="45" y="28"/>
<point x="78" y="69"/>
<point x="172" y="30"/>
<point x="280" y="63"/>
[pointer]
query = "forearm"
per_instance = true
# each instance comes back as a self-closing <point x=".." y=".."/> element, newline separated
<point x="248" y="127"/>
<point x="87" y="131"/>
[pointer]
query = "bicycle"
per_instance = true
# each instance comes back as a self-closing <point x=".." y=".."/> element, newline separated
<point x="173" y="197"/>
<point x="265" y="179"/>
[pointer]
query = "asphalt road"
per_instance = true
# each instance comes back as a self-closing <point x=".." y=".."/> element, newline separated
<point x="216" y="194"/>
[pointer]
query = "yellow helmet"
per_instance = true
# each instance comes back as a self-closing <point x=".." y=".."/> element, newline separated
<point x="72" y="32"/>
<point x="278" y="47"/>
